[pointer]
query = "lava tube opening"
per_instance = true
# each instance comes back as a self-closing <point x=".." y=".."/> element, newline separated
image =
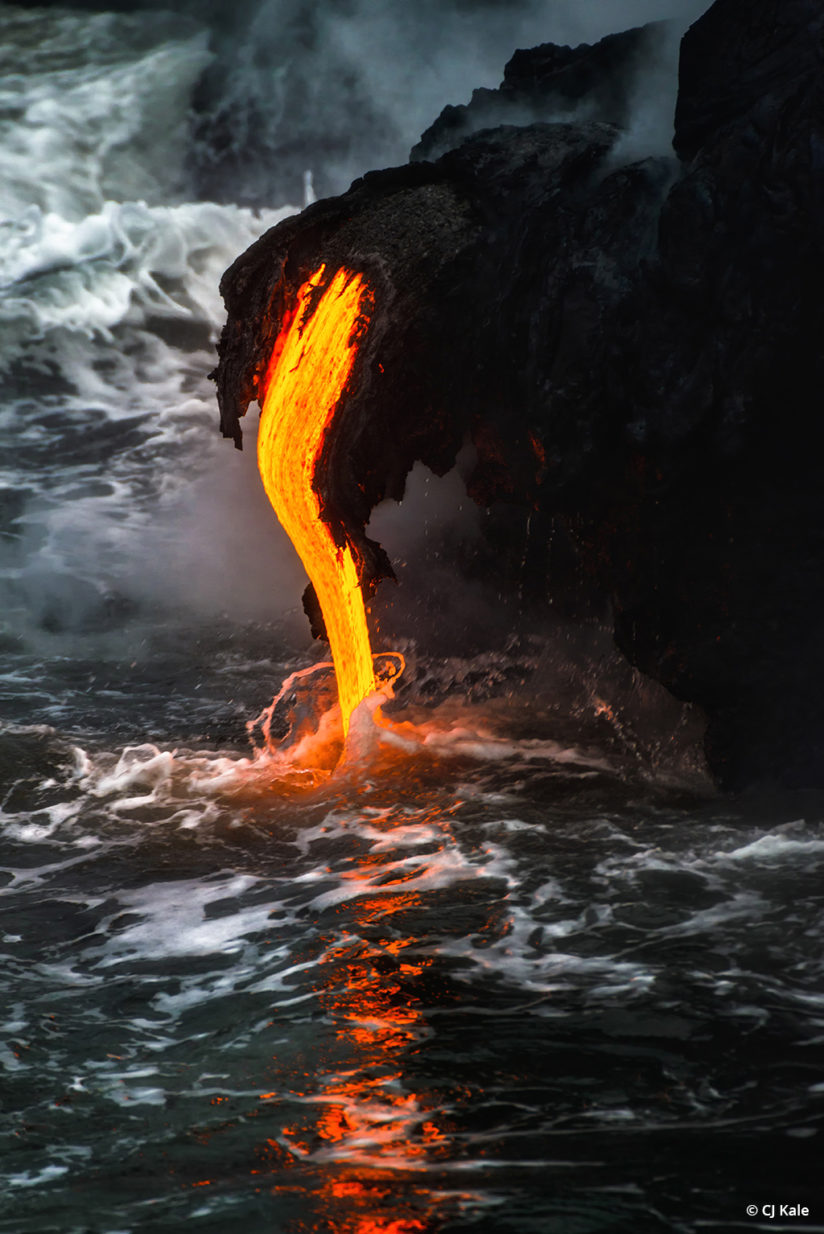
<point x="310" y="366"/>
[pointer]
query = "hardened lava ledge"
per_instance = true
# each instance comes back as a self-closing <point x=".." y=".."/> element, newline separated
<point x="633" y="345"/>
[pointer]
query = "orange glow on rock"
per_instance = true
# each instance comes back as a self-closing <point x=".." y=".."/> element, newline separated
<point x="311" y="363"/>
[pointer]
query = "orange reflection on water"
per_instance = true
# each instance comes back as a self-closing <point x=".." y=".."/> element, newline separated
<point x="372" y="1129"/>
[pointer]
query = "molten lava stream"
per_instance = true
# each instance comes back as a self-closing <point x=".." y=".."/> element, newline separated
<point x="311" y="363"/>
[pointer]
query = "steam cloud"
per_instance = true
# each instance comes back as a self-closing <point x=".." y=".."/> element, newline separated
<point x="347" y="87"/>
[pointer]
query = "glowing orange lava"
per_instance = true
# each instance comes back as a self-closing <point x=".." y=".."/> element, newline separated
<point x="311" y="364"/>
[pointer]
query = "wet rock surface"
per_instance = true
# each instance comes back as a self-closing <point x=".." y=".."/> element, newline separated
<point x="635" y="352"/>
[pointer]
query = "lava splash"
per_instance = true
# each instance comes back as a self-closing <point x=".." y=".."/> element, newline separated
<point x="310" y="366"/>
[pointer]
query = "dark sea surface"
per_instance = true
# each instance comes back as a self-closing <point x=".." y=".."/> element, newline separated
<point x="512" y="966"/>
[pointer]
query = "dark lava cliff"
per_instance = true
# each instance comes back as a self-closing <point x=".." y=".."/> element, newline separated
<point x="634" y="348"/>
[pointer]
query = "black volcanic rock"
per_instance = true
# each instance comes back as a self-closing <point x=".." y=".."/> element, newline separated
<point x="551" y="83"/>
<point x="740" y="63"/>
<point x="723" y="334"/>
<point x="636" y="353"/>
<point x="517" y="209"/>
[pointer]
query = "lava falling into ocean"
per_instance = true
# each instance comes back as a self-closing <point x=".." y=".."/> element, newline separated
<point x="310" y="366"/>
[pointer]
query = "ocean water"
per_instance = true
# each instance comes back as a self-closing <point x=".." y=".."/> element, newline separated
<point x="510" y="965"/>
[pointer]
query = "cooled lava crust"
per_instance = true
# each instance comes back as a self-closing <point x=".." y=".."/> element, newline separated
<point x="634" y="348"/>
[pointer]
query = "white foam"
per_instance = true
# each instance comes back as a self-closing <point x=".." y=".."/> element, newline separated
<point x="92" y="111"/>
<point x="33" y="832"/>
<point x="485" y="746"/>
<point x="36" y="1178"/>
<point x="123" y="1094"/>
<point x="90" y="275"/>
<point x="173" y="921"/>
<point x="396" y="834"/>
<point x="775" y="847"/>
<point x="144" y="765"/>
<point x="9" y="1060"/>
<point x="420" y="874"/>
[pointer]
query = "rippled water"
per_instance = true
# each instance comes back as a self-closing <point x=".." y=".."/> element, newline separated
<point x="512" y="967"/>
<point x="479" y="983"/>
